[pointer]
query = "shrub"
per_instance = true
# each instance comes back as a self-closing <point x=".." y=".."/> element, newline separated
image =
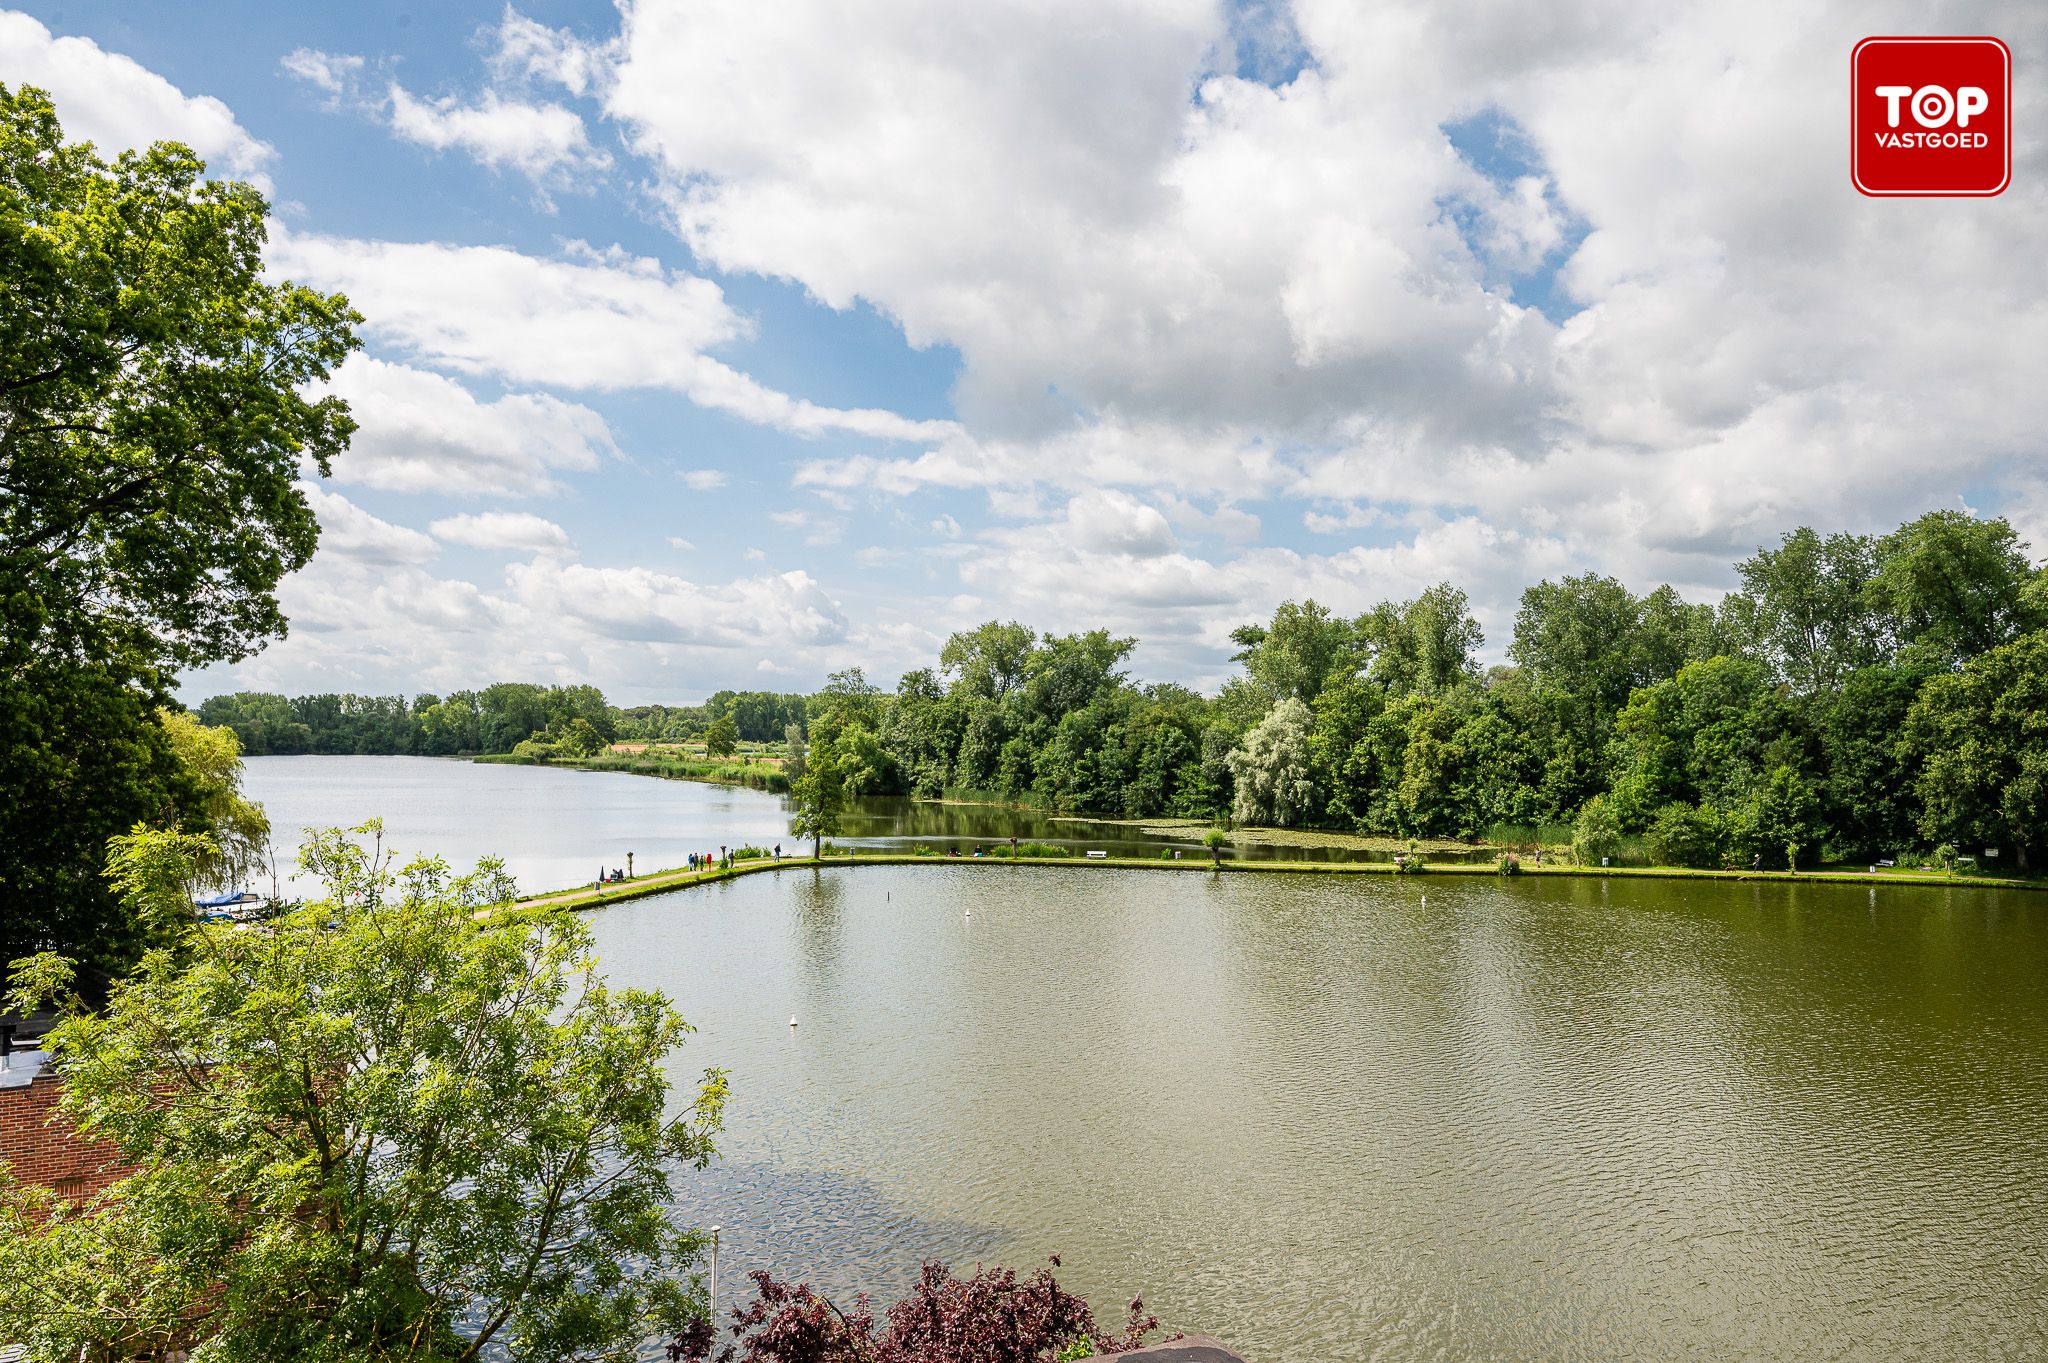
<point x="1682" y="835"/>
<point x="1597" y="833"/>
<point x="1035" y="849"/>
<point x="1508" y="864"/>
<point x="992" y="1316"/>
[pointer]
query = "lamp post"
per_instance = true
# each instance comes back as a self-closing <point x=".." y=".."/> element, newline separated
<point x="714" y="1277"/>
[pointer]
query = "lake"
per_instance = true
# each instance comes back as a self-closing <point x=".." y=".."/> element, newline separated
<point x="1322" y="1117"/>
<point x="557" y="827"/>
<point x="554" y="827"/>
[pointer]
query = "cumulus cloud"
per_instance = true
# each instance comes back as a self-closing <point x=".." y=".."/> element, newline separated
<point x="642" y="605"/>
<point x="545" y="142"/>
<point x="1115" y="522"/>
<point x="515" y="530"/>
<point x="425" y="432"/>
<point x="588" y="319"/>
<point x="348" y="531"/>
<point x="1298" y="283"/>
<point x="1508" y="290"/>
<point x="117" y="103"/>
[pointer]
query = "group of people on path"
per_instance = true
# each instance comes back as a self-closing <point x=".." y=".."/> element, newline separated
<point x="704" y="861"/>
<point x="697" y="861"/>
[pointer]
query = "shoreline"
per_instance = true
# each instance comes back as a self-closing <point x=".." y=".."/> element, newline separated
<point x="662" y="882"/>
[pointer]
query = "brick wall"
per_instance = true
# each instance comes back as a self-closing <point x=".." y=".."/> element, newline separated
<point x="43" y="1149"/>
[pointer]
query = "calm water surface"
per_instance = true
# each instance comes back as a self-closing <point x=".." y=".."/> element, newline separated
<point x="556" y="827"/>
<point x="1320" y="1117"/>
<point x="1328" y="1121"/>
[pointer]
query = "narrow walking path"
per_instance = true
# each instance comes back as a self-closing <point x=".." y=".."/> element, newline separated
<point x="660" y="882"/>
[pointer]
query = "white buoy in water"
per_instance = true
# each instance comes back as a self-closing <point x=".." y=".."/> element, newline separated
<point x="792" y="1021"/>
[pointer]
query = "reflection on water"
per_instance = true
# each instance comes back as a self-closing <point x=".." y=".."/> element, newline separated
<point x="1533" y="1120"/>
<point x="557" y="828"/>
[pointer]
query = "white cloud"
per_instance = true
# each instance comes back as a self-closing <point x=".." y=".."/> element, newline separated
<point x="117" y="103"/>
<point x="348" y="531"/>
<point x="545" y="142"/>
<point x="1304" y="289"/>
<point x="644" y="606"/>
<point x="677" y="542"/>
<point x="588" y="319"/>
<point x="1115" y="522"/>
<point x="334" y="72"/>
<point x="424" y="432"/>
<point x="515" y="530"/>
<point x="702" y="480"/>
<point x="818" y="529"/>
<point x="528" y="50"/>
<point x="1346" y="516"/>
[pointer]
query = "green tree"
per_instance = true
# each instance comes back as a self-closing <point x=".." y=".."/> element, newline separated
<point x="154" y="425"/>
<point x="722" y="739"/>
<point x="239" y="829"/>
<point x="1868" y="787"/>
<point x="81" y="760"/>
<point x="389" y="1126"/>
<point x="1299" y="653"/>
<point x="1811" y="607"/>
<point x="153" y="391"/>
<point x="819" y="799"/>
<point x="1424" y="647"/>
<point x="1596" y="834"/>
<point x="1956" y="586"/>
<point x="1271" y="769"/>
<point x="1780" y="818"/>
<point x="1978" y="740"/>
<point x="794" y="753"/>
<point x="581" y="739"/>
<point x="263" y="723"/>
<point x="990" y="660"/>
<point x="1682" y="835"/>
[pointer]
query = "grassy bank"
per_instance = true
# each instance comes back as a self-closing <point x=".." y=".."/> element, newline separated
<point x="665" y="763"/>
<point x="661" y="882"/>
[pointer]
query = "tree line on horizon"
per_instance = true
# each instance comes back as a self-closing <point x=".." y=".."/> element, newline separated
<point x="1858" y="696"/>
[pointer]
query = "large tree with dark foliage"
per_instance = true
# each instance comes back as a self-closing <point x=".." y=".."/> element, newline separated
<point x="153" y="426"/>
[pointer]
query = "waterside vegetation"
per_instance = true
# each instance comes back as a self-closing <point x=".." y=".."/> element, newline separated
<point x="1861" y="699"/>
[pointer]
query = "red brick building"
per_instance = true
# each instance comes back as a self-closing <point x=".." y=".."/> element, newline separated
<point x="42" y="1147"/>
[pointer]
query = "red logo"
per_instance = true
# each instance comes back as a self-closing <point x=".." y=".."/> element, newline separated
<point x="1930" y="116"/>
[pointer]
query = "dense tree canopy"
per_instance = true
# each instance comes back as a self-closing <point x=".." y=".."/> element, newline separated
<point x="384" y="1127"/>
<point x="154" y="425"/>
<point x="1706" y="733"/>
<point x="153" y="417"/>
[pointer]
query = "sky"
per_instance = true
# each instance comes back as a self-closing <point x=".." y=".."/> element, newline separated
<point x="713" y="343"/>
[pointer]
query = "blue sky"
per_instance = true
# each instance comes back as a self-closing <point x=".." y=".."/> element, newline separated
<point x="714" y="344"/>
